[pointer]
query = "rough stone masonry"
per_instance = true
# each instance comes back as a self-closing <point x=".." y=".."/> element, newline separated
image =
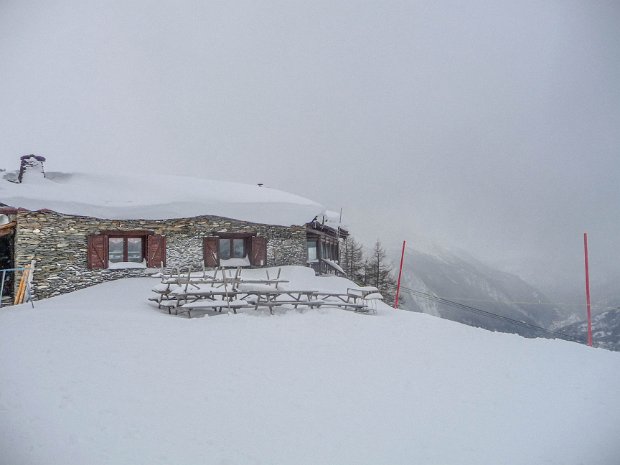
<point x="58" y="243"/>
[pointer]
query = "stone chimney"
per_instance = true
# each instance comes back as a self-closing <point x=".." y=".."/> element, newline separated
<point x="31" y="166"/>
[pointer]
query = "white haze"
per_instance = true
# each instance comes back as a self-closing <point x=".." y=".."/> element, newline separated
<point x="489" y="126"/>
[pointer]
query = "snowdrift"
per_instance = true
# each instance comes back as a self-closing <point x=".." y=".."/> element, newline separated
<point x="99" y="376"/>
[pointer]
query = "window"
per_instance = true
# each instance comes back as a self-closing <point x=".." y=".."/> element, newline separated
<point x="312" y="251"/>
<point x="126" y="249"/>
<point x="7" y="260"/>
<point x="235" y="249"/>
<point x="112" y="249"/>
<point x="232" y="248"/>
<point x="321" y="248"/>
<point x="334" y="252"/>
<point x="329" y="250"/>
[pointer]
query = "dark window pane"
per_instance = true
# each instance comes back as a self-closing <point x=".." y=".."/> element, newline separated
<point x="224" y="249"/>
<point x="115" y="249"/>
<point x="238" y="248"/>
<point x="134" y="249"/>
<point x="312" y="250"/>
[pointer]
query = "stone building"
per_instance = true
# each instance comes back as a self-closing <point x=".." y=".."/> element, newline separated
<point x="85" y="229"/>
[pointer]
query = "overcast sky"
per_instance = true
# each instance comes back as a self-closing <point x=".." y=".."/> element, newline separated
<point x="492" y="126"/>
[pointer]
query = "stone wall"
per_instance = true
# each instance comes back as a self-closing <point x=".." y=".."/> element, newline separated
<point x="59" y="245"/>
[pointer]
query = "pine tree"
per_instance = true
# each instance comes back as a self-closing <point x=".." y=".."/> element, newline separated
<point x="378" y="273"/>
<point x="352" y="260"/>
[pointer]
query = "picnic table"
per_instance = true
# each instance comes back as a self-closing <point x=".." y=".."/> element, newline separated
<point x="356" y="298"/>
<point x="361" y="291"/>
<point x="266" y="296"/>
<point x="248" y="298"/>
<point x="186" y="293"/>
<point x="216" y="304"/>
<point x="171" y="295"/>
<point x="213" y="294"/>
<point x="202" y="292"/>
<point x="220" y="282"/>
<point x="184" y="298"/>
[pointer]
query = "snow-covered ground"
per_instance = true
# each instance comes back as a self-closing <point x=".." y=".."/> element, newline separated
<point x="100" y="376"/>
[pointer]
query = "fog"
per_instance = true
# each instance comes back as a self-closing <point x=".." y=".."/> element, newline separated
<point x="488" y="126"/>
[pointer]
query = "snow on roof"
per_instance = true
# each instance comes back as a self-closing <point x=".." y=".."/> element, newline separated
<point x="151" y="197"/>
<point x="330" y="219"/>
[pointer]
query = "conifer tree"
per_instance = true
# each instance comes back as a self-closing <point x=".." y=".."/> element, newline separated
<point x="378" y="273"/>
<point x="352" y="260"/>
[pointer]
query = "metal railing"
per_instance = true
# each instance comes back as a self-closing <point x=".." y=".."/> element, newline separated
<point x="320" y="267"/>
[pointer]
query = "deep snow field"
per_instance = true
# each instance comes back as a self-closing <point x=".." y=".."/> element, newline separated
<point x="100" y="376"/>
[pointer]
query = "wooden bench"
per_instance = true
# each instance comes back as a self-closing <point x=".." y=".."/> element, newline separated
<point x="338" y="295"/>
<point x="217" y="305"/>
<point x="348" y="300"/>
<point x="295" y="303"/>
<point x="265" y="296"/>
<point x="194" y="295"/>
<point x="357" y="307"/>
<point x="169" y="304"/>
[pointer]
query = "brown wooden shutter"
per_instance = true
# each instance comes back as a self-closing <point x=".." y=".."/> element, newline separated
<point x="155" y="251"/>
<point x="209" y="251"/>
<point x="97" y="251"/>
<point x="258" y="251"/>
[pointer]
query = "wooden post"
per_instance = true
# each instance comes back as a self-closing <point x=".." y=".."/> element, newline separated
<point x="24" y="284"/>
<point x="21" y="289"/>
<point x="400" y="272"/>
<point x="30" y="280"/>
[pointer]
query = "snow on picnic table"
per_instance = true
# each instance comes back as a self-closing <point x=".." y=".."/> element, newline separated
<point x="100" y="376"/>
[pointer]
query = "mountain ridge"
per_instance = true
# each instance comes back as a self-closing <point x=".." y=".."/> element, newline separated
<point x="457" y="276"/>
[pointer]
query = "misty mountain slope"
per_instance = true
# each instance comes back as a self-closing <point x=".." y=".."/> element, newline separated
<point x="458" y="277"/>
<point x="605" y="330"/>
<point x="606" y="296"/>
<point x="605" y="312"/>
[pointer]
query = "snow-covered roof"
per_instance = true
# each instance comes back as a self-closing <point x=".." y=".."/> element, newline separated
<point x="151" y="197"/>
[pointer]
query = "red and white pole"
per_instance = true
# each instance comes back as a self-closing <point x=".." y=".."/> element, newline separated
<point x="585" y="251"/>
<point x="400" y="273"/>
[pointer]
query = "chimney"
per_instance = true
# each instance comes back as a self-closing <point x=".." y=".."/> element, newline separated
<point x="31" y="165"/>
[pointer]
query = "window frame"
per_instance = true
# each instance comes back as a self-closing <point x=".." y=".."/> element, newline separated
<point x="126" y="237"/>
<point x="231" y="247"/>
<point x="316" y="246"/>
<point x="328" y="248"/>
<point x="254" y="248"/>
<point x="153" y="251"/>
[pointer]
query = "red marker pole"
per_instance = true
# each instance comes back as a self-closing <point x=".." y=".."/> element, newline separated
<point x="585" y="251"/>
<point x="400" y="273"/>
